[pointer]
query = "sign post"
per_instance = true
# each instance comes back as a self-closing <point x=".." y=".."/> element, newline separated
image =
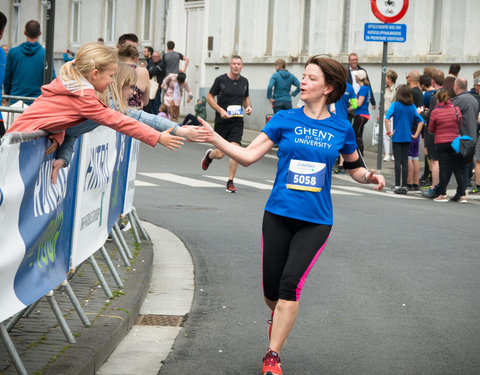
<point x="387" y="11"/>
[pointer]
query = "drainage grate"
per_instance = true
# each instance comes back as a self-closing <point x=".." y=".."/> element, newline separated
<point x="160" y="320"/>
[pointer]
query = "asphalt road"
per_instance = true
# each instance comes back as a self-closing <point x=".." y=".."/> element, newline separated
<point x="395" y="291"/>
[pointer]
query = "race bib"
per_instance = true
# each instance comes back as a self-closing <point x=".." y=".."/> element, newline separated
<point x="235" y="111"/>
<point x="306" y="175"/>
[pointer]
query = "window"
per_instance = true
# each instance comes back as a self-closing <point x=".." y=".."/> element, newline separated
<point x="306" y="27"/>
<point x="110" y="20"/>
<point x="16" y="22"/>
<point x="271" y="11"/>
<point x="43" y="20"/>
<point x="435" y="44"/>
<point x="76" y="12"/>
<point x="346" y="26"/>
<point x="147" y="21"/>
<point x="236" y="35"/>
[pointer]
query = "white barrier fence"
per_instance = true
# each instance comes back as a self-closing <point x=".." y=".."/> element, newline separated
<point x="48" y="229"/>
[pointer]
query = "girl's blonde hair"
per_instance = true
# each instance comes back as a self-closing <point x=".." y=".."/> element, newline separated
<point x="125" y="76"/>
<point x="90" y="56"/>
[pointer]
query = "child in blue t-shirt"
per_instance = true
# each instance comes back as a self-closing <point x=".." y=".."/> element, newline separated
<point x="404" y="115"/>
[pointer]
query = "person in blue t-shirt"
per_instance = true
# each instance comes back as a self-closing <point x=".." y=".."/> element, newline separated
<point x="298" y="215"/>
<point x="404" y="115"/>
<point x="347" y="102"/>
<point x="362" y="115"/>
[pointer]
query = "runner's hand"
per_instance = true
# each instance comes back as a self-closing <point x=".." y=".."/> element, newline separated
<point x="193" y="133"/>
<point x="378" y="179"/>
<point x="206" y="126"/>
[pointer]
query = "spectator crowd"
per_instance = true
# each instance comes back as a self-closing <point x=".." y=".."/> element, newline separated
<point x="428" y="111"/>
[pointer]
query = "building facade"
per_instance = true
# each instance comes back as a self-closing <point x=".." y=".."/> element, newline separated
<point x="439" y="32"/>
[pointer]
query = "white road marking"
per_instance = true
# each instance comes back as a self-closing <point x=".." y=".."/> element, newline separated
<point x="143" y="183"/>
<point x="180" y="179"/>
<point x="240" y="181"/>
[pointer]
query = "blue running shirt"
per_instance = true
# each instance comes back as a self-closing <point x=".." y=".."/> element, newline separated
<point x="341" y="107"/>
<point x="366" y="92"/>
<point x="307" y="142"/>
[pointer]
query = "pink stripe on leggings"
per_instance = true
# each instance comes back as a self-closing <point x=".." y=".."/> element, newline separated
<point x="304" y="277"/>
<point x="263" y="288"/>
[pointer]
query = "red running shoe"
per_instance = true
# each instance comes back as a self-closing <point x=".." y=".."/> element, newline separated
<point x="230" y="187"/>
<point x="206" y="161"/>
<point x="270" y="325"/>
<point x="271" y="364"/>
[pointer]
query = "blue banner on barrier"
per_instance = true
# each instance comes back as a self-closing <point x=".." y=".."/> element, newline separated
<point x="45" y="221"/>
<point x="119" y="178"/>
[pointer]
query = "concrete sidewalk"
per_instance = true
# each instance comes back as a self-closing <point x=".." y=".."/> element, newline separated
<point x="169" y="296"/>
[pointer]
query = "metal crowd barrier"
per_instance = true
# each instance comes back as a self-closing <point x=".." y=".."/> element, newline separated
<point x="13" y="110"/>
<point x="118" y="239"/>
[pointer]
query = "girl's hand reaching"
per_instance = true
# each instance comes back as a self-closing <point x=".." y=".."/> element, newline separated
<point x="170" y="141"/>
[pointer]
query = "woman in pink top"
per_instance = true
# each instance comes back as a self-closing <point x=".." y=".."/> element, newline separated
<point x="71" y="99"/>
<point x="174" y="84"/>
<point x="445" y="123"/>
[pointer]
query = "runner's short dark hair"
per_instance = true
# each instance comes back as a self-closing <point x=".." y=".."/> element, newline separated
<point x="335" y="75"/>
<point x="170" y="44"/>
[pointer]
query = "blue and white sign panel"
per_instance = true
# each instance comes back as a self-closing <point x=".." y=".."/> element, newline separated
<point x="35" y="222"/>
<point x="132" y="172"/>
<point x="385" y="32"/>
<point x="97" y="161"/>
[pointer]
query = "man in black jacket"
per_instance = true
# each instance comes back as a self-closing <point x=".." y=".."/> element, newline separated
<point x="156" y="72"/>
<point x="352" y="68"/>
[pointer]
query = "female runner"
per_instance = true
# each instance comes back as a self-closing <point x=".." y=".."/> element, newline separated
<point x="298" y="215"/>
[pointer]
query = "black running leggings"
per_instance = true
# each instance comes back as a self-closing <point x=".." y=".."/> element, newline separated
<point x="290" y="249"/>
<point x="358" y="126"/>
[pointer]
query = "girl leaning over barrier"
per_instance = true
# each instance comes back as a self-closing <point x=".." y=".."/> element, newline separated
<point x="71" y="99"/>
<point x="117" y="95"/>
<point x="298" y="215"/>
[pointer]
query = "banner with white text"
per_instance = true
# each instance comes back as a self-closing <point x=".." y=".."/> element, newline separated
<point x="131" y="175"/>
<point x="35" y="222"/>
<point x="96" y="163"/>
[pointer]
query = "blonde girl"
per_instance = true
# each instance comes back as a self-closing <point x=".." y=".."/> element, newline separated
<point x="71" y="99"/>
<point x="117" y="96"/>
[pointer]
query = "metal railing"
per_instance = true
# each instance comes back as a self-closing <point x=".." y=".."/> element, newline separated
<point x="10" y="113"/>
